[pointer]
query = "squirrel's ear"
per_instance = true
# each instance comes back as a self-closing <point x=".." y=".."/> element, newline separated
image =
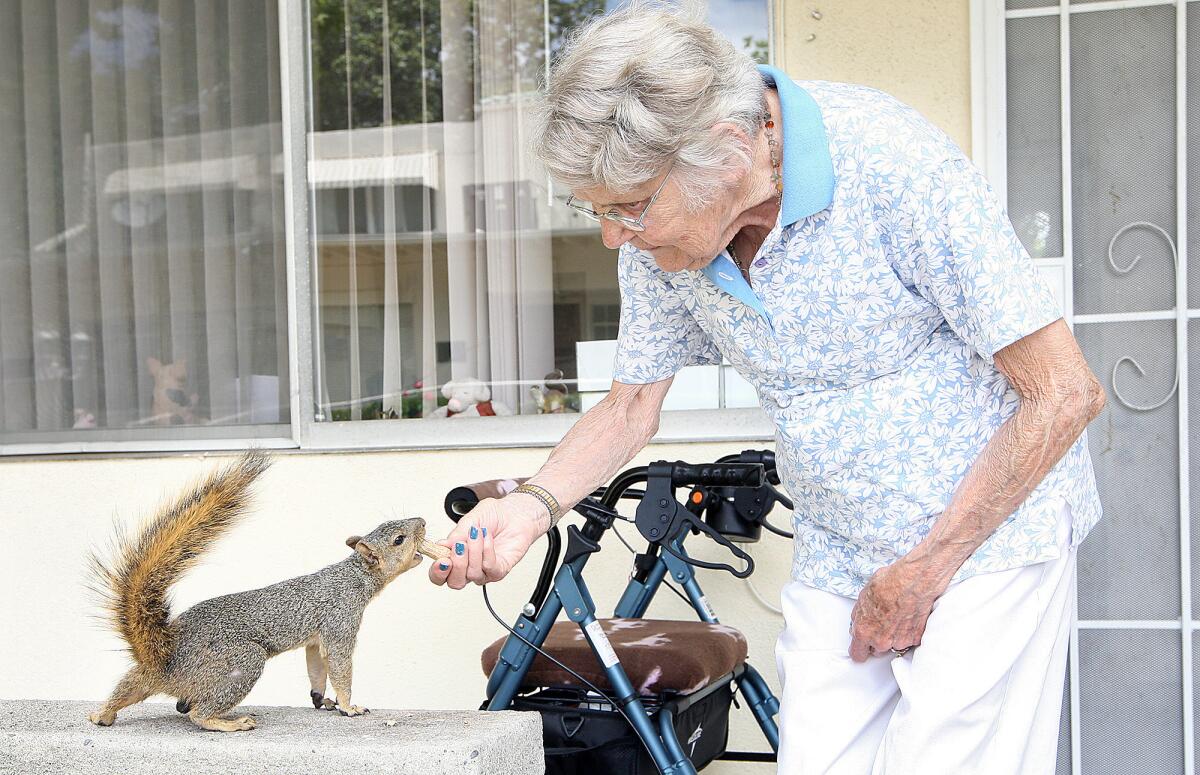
<point x="366" y="551"/>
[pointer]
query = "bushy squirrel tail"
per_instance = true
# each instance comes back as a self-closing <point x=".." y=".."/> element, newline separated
<point x="135" y="583"/>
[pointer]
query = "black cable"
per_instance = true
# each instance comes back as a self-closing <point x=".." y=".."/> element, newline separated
<point x="666" y="583"/>
<point x="487" y="601"/>
<point x="621" y="538"/>
<point x="629" y="493"/>
<point x="633" y="551"/>
<point x="777" y="531"/>
<point x="638" y="495"/>
<point x="787" y="503"/>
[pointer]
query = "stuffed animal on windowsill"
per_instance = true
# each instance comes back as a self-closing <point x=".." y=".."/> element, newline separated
<point x="551" y="397"/>
<point x="173" y="405"/>
<point x="469" y="398"/>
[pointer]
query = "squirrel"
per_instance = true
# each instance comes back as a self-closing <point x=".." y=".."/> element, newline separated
<point x="210" y="656"/>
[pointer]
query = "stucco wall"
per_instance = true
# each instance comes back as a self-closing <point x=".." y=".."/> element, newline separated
<point x="419" y="645"/>
<point x="916" y="50"/>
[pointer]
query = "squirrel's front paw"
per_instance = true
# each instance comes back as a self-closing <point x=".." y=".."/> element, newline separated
<point x="353" y="710"/>
<point x="99" y="719"/>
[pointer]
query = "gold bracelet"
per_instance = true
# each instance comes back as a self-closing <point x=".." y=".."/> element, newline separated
<point x="543" y="495"/>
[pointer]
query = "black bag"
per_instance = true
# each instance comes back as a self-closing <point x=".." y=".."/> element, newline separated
<point x="585" y="737"/>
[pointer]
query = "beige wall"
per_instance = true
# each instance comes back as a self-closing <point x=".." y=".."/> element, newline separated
<point x="916" y="50"/>
<point x="419" y="645"/>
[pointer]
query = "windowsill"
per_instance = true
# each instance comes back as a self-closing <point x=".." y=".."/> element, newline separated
<point x="528" y="431"/>
<point x="114" y="448"/>
<point x="694" y="425"/>
<point x="360" y="239"/>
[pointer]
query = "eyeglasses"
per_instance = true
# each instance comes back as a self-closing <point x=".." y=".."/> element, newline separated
<point x="633" y="224"/>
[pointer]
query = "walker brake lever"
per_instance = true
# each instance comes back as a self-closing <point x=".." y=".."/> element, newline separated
<point x="660" y="517"/>
<point x="693" y="522"/>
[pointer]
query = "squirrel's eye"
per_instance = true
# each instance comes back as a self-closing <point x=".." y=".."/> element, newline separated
<point x="399" y="540"/>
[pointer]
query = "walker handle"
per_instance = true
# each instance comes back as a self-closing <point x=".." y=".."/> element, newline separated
<point x="463" y="498"/>
<point x="715" y="474"/>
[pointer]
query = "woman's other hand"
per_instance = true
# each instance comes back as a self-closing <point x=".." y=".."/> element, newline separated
<point x="893" y="608"/>
<point x="489" y="541"/>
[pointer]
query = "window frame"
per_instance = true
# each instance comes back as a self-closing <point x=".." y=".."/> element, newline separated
<point x="304" y="432"/>
<point x="989" y="117"/>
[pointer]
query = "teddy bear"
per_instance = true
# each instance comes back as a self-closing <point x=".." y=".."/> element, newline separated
<point x="84" y="418"/>
<point x="469" y="398"/>
<point x="173" y="405"/>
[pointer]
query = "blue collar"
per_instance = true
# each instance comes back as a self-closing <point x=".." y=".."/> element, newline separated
<point x="807" y="166"/>
<point x="807" y="178"/>
<point x="726" y="276"/>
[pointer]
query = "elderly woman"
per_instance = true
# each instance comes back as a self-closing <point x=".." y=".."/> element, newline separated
<point x="929" y="400"/>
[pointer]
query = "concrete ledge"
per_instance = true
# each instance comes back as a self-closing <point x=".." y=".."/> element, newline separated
<point x="55" y="737"/>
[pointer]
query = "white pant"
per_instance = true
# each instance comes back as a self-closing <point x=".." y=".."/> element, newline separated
<point x="981" y="695"/>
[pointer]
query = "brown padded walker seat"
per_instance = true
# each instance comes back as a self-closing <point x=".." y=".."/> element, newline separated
<point x="659" y="656"/>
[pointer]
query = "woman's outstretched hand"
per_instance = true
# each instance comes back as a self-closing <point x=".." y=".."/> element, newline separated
<point x="489" y="541"/>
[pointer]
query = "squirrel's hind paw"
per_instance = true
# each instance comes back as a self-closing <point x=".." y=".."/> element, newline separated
<point x="241" y="724"/>
<point x="99" y="719"/>
<point x="354" y="710"/>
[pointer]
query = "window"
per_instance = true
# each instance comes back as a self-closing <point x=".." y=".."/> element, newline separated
<point x="142" y="290"/>
<point x="149" y="224"/>
<point x="440" y="259"/>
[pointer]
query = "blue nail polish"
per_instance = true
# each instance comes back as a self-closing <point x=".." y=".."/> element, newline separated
<point x="474" y="532"/>
<point x="443" y="566"/>
<point x="485" y="532"/>
<point x="459" y="549"/>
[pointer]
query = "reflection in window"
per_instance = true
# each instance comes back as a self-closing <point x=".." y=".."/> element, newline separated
<point x="141" y="251"/>
<point x="439" y="257"/>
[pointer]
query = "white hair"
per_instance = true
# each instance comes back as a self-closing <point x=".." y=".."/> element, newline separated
<point x="642" y="85"/>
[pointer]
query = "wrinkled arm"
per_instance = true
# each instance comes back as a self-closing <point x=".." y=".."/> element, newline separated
<point x="1059" y="396"/>
<point x="594" y="450"/>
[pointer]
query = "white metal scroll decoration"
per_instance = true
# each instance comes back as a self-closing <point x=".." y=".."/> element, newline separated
<point x="1126" y="270"/>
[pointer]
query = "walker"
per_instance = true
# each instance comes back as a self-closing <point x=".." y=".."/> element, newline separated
<point x="629" y="694"/>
